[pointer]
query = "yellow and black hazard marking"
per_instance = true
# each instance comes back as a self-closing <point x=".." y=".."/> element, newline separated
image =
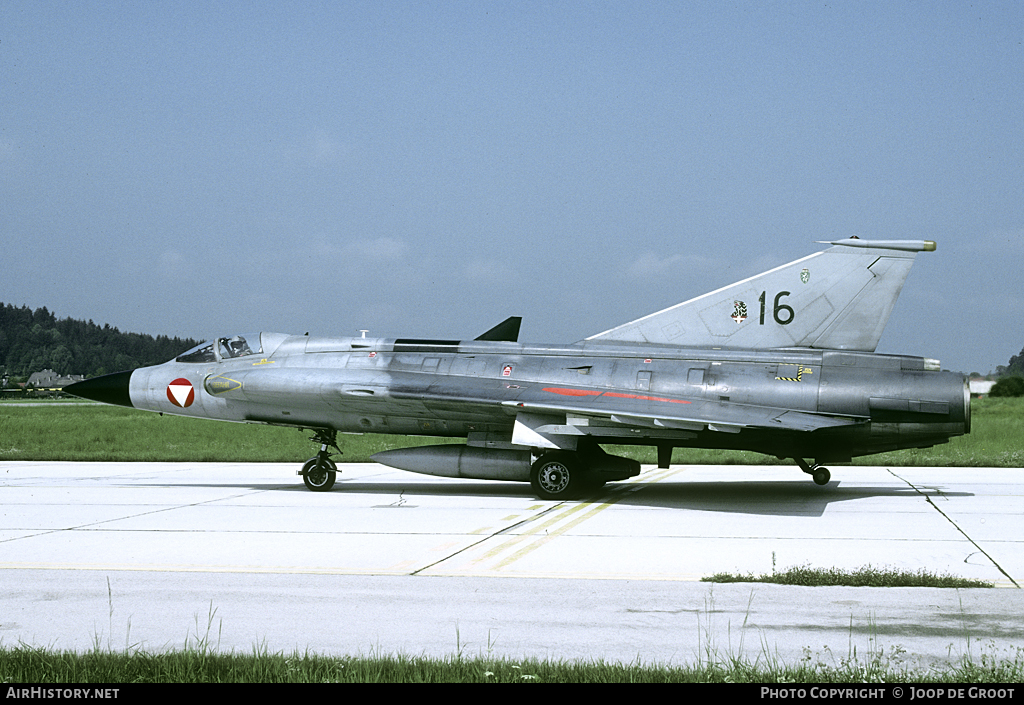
<point x="800" y="371"/>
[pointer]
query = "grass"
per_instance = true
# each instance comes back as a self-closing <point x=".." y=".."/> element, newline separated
<point x="192" y="664"/>
<point x="76" y="432"/>
<point x="24" y="664"/>
<point x="996" y="441"/>
<point x="73" y="432"/>
<point x="868" y="576"/>
<point x="201" y="661"/>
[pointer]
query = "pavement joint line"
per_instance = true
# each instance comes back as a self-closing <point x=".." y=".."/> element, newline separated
<point x="86" y="527"/>
<point x="531" y="532"/>
<point x="620" y="491"/>
<point x="541" y="540"/>
<point x="956" y="526"/>
<point x="615" y="495"/>
<point x="487" y="538"/>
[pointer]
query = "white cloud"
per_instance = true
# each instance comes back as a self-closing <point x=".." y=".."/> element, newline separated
<point x="651" y="265"/>
<point x="323" y="149"/>
<point x="378" y="249"/>
<point x="172" y="263"/>
<point x="484" y="269"/>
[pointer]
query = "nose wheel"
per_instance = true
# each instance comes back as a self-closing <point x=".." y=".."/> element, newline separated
<point x="320" y="472"/>
<point x="819" y="473"/>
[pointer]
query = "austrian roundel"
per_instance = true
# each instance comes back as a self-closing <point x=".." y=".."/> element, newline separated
<point x="181" y="393"/>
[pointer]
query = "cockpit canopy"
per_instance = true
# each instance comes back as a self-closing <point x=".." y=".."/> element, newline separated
<point x="231" y="347"/>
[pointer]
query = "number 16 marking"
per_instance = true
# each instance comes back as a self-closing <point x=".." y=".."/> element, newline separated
<point x="779" y="308"/>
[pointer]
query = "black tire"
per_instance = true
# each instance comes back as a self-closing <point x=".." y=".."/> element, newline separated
<point x="821" y="476"/>
<point x="319" y="478"/>
<point x="558" y="476"/>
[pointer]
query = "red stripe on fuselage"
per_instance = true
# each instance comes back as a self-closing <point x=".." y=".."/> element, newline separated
<point x="566" y="392"/>
<point x="571" y="392"/>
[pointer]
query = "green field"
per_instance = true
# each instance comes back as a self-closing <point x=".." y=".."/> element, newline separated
<point x="81" y="432"/>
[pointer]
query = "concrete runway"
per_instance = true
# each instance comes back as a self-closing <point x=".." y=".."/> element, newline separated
<point x="162" y="554"/>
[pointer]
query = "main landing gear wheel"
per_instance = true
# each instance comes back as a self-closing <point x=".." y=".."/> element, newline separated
<point x="319" y="474"/>
<point x="557" y="476"/>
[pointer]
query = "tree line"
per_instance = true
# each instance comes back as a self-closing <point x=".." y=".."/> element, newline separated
<point x="32" y="341"/>
<point x="1011" y="378"/>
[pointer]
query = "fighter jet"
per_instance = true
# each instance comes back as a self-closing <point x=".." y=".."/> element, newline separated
<point x="782" y="363"/>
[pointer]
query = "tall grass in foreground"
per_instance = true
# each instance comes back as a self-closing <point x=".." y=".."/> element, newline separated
<point x="200" y="660"/>
<point x="78" y="432"/>
<point x="25" y="664"/>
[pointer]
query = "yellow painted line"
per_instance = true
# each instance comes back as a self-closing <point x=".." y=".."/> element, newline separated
<point x="537" y="541"/>
<point x="530" y="533"/>
<point x="404" y="566"/>
<point x="541" y="540"/>
<point x="511" y="541"/>
<point x="518" y="538"/>
<point x="296" y="570"/>
<point x="411" y="565"/>
<point x="654" y="476"/>
<point x="157" y="568"/>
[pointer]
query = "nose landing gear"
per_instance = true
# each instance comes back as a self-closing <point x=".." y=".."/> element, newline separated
<point x="320" y="472"/>
<point x="818" y="473"/>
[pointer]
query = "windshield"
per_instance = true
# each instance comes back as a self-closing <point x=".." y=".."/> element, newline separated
<point x="224" y="348"/>
<point x="200" y="353"/>
<point x="238" y="345"/>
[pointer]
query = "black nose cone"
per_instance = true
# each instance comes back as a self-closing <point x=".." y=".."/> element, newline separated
<point x="109" y="389"/>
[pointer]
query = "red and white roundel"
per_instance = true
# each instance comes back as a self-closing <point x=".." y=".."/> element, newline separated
<point x="181" y="393"/>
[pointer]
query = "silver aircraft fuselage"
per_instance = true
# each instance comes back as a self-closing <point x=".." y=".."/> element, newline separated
<point x="539" y="413"/>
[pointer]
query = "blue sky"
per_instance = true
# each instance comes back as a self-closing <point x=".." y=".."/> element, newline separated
<point x="427" y="169"/>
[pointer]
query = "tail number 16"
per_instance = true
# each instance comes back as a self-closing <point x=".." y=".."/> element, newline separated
<point x="782" y="313"/>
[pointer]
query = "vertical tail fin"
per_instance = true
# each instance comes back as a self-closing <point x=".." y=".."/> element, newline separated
<point x="838" y="299"/>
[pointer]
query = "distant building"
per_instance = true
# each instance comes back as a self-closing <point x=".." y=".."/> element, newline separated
<point x="48" y="379"/>
<point x="981" y="387"/>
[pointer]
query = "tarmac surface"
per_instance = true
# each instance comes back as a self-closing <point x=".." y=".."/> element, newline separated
<point x="243" y="557"/>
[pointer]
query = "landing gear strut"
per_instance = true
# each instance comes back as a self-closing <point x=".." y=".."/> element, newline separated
<point x="320" y="472"/>
<point x="819" y="473"/>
